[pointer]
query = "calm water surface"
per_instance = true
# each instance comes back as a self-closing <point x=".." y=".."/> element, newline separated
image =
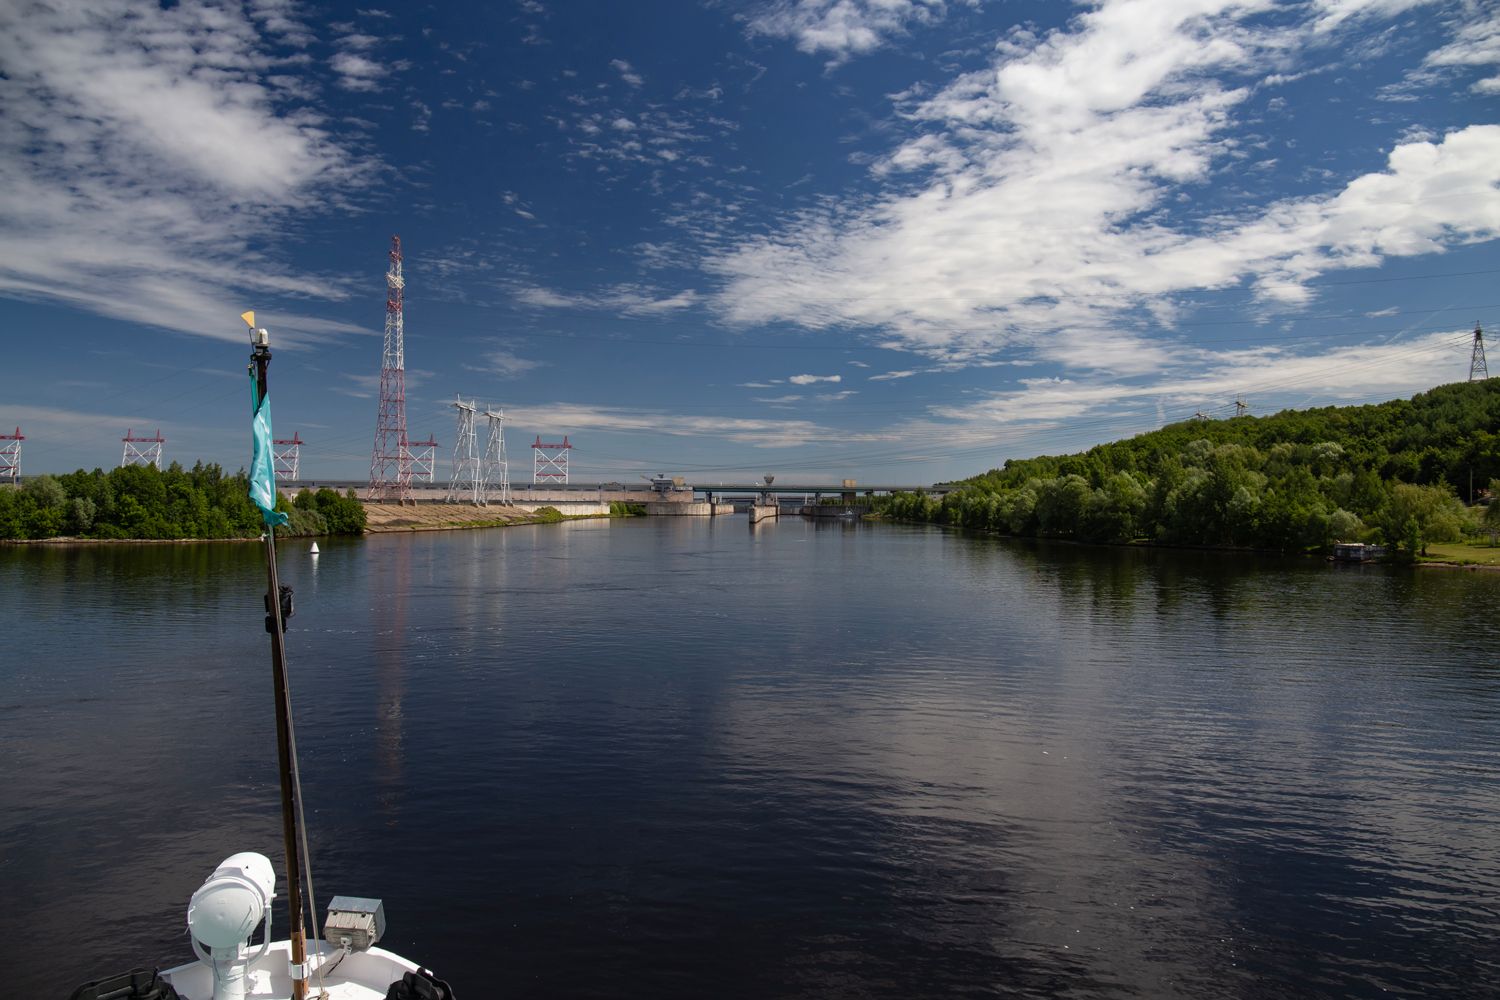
<point x="680" y="757"/>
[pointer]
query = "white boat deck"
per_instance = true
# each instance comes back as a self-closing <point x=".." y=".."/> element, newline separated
<point x="366" y="975"/>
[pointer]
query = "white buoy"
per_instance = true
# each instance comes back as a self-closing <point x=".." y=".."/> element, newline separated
<point x="315" y="548"/>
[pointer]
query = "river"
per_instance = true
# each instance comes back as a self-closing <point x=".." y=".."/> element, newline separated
<point x="685" y="757"/>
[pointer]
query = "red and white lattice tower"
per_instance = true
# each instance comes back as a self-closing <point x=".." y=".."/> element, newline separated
<point x="551" y="462"/>
<point x="423" y="458"/>
<point x="390" y="467"/>
<point x="142" y="450"/>
<point x="287" y="453"/>
<point x="10" y="456"/>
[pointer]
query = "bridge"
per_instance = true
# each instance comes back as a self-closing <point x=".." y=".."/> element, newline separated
<point x="680" y="489"/>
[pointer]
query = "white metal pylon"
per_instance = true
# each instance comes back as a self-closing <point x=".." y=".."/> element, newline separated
<point x="287" y="452"/>
<point x="136" y="455"/>
<point x="1477" y="367"/>
<point x="496" y="467"/>
<point x="10" y="456"/>
<point x="465" y="484"/>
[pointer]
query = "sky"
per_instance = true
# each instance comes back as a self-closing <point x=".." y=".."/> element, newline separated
<point x="899" y="241"/>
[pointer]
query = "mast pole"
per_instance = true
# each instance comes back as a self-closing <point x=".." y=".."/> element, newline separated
<point x="262" y="358"/>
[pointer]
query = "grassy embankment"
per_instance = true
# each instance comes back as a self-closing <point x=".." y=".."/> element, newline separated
<point x="440" y="517"/>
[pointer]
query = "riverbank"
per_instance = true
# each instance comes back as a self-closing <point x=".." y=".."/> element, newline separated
<point x="380" y="519"/>
<point x="1442" y="556"/>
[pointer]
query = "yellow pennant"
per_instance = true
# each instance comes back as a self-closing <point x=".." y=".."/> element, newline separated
<point x="248" y="317"/>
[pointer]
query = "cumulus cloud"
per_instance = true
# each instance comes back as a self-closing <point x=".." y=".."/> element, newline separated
<point x="810" y="379"/>
<point x="842" y="28"/>
<point x="141" y="155"/>
<point x="1034" y="209"/>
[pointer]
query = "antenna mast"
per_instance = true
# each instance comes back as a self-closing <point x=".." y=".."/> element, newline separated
<point x="1477" y="368"/>
<point x="390" y="467"/>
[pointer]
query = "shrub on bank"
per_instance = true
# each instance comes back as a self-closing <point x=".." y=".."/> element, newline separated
<point x="141" y="502"/>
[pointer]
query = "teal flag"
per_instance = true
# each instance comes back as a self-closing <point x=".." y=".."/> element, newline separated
<point x="262" y="479"/>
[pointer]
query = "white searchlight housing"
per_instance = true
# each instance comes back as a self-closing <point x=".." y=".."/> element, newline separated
<point x="224" y="912"/>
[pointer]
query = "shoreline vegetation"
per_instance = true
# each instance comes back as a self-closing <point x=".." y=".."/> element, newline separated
<point x="1295" y="481"/>
<point x="143" y="504"/>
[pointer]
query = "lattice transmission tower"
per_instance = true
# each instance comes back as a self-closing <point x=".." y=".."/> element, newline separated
<point x="423" y="458"/>
<point x="390" y="467"/>
<point x="1477" y="367"/>
<point x="550" y="462"/>
<point x="466" y="483"/>
<point x="10" y="456"/>
<point x="496" y="470"/>
<point x="287" y="453"/>
<point x="135" y="454"/>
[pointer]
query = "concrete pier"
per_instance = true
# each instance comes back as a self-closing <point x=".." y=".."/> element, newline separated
<point x="761" y="513"/>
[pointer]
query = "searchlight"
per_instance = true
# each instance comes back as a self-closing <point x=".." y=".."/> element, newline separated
<point x="224" y="912"/>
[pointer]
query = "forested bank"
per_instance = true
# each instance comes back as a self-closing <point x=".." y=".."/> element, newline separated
<point x="1397" y="472"/>
<point x="141" y="502"/>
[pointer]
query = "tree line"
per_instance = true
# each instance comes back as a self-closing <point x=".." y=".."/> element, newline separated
<point x="136" y="501"/>
<point x="1389" y="472"/>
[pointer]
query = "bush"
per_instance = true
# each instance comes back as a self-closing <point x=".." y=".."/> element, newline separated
<point x="143" y="502"/>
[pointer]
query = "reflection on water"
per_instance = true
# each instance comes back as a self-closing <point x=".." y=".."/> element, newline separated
<point x="391" y="573"/>
<point x="677" y="757"/>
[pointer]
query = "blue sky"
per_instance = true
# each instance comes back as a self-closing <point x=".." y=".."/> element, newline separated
<point x="892" y="240"/>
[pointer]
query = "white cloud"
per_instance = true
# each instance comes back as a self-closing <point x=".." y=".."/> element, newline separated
<point x="356" y="72"/>
<point x="860" y="364"/>
<point x="630" y="300"/>
<point x="505" y="363"/>
<point x="842" y="28"/>
<point x="141" y="156"/>
<point x="1268" y="379"/>
<point x="626" y="73"/>
<point x="1477" y="43"/>
<point x="810" y="379"/>
<point x="1033" y="213"/>
<point x="755" y="432"/>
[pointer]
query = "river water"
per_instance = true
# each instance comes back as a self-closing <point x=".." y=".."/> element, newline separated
<point x="685" y="757"/>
